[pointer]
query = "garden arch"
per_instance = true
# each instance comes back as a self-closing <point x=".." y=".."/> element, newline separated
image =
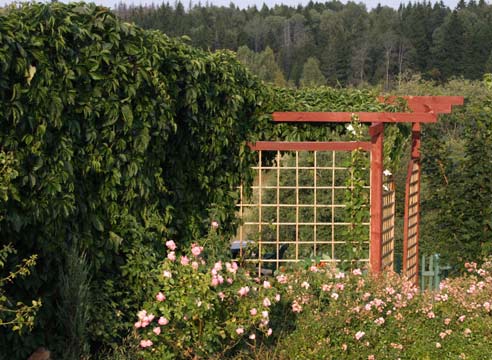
<point x="425" y="109"/>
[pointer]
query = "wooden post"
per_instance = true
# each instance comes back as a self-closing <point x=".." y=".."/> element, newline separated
<point x="416" y="157"/>
<point x="375" y="257"/>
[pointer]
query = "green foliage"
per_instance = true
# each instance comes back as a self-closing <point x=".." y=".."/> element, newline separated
<point x="7" y="174"/>
<point x="16" y="316"/>
<point x="73" y="308"/>
<point x="311" y="74"/>
<point x="262" y="64"/>
<point x="357" y="202"/>
<point x="314" y="99"/>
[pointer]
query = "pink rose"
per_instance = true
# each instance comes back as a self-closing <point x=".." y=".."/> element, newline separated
<point x="253" y="311"/>
<point x="296" y="307"/>
<point x="142" y="314"/>
<point x="172" y="256"/>
<point x="240" y="330"/>
<point x="145" y="343"/>
<point x="232" y="268"/>
<point x="282" y="279"/>
<point x="340" y="275"/>
<point x="171" y="245"/>
<point x="269" y="332"/>
<point x="243" y="291"/>
<point x="359" y="335"/>
<point x="215" y="224"/>
<point x="163" y="321"/>
<point x="357" y="272"/>
<point x="218" y="266"/>
<point x="157" y="330"/>
<point x="184" y="260"/>
<point x="196" y="250"/>
<point x="160" y="297"/>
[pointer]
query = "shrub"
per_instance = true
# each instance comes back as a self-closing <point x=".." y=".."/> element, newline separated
<point x="203" y="309"/>
<point x="356" y="316"/>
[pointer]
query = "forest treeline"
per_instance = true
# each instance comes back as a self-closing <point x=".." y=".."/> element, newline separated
<point x="334" y="43"/>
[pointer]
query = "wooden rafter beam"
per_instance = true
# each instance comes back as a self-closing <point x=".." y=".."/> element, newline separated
<point x="376" y="117"/>
<point x="427" y="104"/>
<point x="310" y="145"/>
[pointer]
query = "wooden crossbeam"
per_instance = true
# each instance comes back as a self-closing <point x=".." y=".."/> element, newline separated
<point x="382" y="117"/>
<point x="310" y="145"/>
<point x="427" y="104"/>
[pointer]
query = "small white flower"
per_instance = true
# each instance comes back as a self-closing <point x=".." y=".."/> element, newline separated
<point x="385" y="187"/>
<point x="387" y="173"/>
<point x="351" y="129"/>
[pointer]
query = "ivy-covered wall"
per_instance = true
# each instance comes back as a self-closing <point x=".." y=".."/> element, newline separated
<point x="122" y="138"/>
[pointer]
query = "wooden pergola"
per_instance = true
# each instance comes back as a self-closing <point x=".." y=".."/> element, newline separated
<point x="425" y="109"/>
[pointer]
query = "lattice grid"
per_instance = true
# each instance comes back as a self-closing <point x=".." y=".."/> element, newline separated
<point x="411" y="231"/>
<point x="296" y="208"/>
<point x="389" y="210"/>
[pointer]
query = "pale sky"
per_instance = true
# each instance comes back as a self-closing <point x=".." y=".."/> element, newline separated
<point x="245" y="3"/>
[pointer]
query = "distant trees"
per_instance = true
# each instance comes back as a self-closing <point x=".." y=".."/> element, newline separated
<point x="353" y="45"/>
<point x="262" y="64"/>
<point x="311" y="74"/>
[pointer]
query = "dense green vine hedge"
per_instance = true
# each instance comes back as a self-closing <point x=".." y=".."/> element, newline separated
<point x="123" y="138"/>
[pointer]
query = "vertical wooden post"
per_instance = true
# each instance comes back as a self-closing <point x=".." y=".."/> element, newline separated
<point x="375" y="256"/>
<point x="416" y="157"/>
<point x="416" y="141"/>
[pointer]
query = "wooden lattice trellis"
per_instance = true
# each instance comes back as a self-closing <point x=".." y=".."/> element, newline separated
<point x="381" y="226"/>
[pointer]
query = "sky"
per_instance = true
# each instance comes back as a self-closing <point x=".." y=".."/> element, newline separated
<point x="245" y="3"/>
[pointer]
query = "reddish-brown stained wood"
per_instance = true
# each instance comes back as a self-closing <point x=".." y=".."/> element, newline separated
<point x="415" y="141"/>
<point x="427" y="104"/>
<point x="309" y="146"/>
<point x="375" y="256"/>
<point x="376" y="128"/>
<point x="384" y="117"/>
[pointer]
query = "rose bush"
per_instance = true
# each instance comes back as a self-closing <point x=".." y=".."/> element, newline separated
<point x="359" y="316"/>
<point x="203" y="308"/>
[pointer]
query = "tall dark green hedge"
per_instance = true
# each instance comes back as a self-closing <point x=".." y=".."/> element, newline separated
<point x="122" y="138"/>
